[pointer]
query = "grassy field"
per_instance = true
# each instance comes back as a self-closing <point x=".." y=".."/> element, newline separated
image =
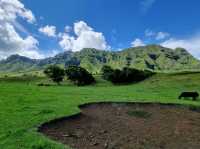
<point x="24" y="106"/>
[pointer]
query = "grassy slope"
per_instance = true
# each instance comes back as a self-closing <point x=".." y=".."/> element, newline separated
<point x="24" y="106"/>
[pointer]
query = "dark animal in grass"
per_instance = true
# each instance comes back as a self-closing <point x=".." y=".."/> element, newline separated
<point x="193" y="95"/>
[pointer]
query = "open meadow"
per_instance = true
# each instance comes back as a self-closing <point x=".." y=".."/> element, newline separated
<point x="24" y="106"/>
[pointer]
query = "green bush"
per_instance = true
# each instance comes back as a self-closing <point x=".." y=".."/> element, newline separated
<point x="126" y="75"/>
<point x="107" y="72"/>
<point x="79" y="75"/>
<point x="55" y="73"/>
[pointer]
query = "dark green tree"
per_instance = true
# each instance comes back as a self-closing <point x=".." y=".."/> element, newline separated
<point x="124" y="76"/>
<point x="107" y="72"/>
<point x="55" y="73"/>
<point x="79" y="75"/>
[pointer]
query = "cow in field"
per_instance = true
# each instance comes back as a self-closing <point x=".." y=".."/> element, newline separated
<point x="193" y="95"/>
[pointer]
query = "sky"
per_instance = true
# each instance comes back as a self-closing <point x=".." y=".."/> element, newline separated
<point x="44" y="28"/>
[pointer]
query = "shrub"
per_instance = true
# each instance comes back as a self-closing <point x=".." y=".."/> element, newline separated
<point x="43" y="84"/>
<point x="55" y="73"/>
<point x="126" y="75"/>
<point x="107" y="72"/>
<point x="79" y="75"/>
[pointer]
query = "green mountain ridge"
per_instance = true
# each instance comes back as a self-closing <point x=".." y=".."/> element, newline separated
<point x="153" y="57"/>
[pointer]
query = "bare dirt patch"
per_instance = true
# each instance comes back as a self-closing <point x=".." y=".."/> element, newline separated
<point x="128" y="126"/>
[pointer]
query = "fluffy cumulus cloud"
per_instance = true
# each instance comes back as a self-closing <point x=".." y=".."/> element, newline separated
<point x="49" y="31"/>
<point x="11" y="9"/>
<point x="10" y="40"/>
<point x="12" y="43"/>
<point x="85" y="37"/>
<point x="137" y="42"/>
<point x="191" y="44"/>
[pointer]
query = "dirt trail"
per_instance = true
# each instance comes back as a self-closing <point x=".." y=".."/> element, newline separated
<point x="128" y="126"/>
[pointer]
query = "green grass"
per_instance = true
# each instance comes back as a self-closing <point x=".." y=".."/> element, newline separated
<point x="24" y="106"/>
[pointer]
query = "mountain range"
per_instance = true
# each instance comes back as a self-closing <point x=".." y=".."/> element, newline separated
<point x="152" y="57"/>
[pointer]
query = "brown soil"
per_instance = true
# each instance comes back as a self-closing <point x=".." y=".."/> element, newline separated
<point x="115" y="126"/>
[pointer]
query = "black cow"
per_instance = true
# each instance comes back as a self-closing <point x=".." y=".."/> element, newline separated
<point x="193" y="95"/>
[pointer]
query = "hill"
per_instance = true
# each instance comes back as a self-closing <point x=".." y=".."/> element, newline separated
<point x="153" y="57"/>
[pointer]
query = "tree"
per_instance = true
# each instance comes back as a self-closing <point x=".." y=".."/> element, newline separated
<point x="55" y="73"/>
<point x="107" y="72"/>
<point x="126" y="75"/>
<point x="79" y="75"/>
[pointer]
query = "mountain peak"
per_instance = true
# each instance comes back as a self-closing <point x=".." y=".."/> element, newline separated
<point x="154" y="57"/>
<point x="14" y="56"/>
<point x="18" y="57"/>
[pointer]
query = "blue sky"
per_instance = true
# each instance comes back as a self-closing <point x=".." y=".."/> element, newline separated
<point x="103" y="24"/>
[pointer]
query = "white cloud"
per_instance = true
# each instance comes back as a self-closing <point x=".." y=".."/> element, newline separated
<point x="10" y="9"/>
<point x="29" y="16"/>
<point x="137" y="42"/>
<point x="10" y="40"/>
<point x="20" y="28"/>
<point x="157" y="35"/>
<point x="162" y="35"/>
<point x="81" y="27"/>
<point x="12" y="43"/>
<point x="149" y="33"/>
<point x="191" y="44"/>
<point x="67" y="42"/>
<point x="68" y="29"/>
<point x="48" y="30"/>
<point x="85" y="37"/>
<point x="52" y="53"/>
<point x="146" y="5"/>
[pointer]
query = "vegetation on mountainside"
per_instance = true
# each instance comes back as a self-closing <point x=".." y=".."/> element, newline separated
<point x="152" y="57"/>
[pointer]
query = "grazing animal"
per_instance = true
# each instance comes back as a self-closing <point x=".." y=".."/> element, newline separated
<point x="193" y="95"/>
